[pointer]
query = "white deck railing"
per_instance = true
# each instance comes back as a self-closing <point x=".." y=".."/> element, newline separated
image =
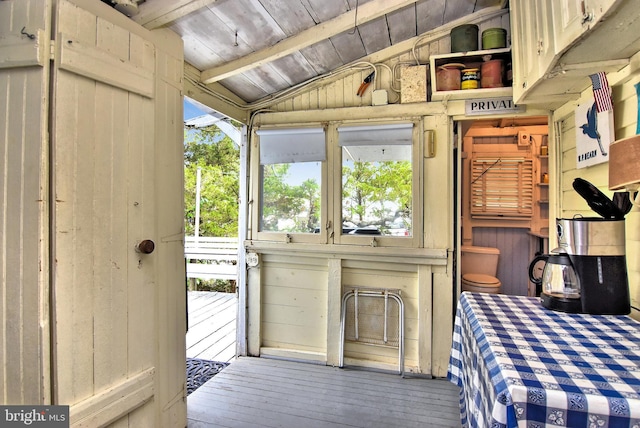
<point x="211" y="258"/>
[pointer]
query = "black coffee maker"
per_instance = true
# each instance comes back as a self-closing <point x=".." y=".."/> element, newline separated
<point x="587" y="273"/>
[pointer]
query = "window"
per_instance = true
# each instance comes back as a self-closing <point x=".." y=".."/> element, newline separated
<point x="290" y="179"/>
<point x="377" y="179"/>
<point x="338" y="184"/>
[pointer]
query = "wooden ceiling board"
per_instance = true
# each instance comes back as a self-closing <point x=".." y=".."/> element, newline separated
<point x="198" y="54"/>
<point x="294" y="68"/>
<point x="255" y="48"/>
<point x="483" y="4"/>
<point x="157" y="13"/>
<point x="199" y="25"/>
<point x="402" y="24"/>
<point x="291" y="16"/>
<point x="375" y="35"/>
<point x="456" y="9"/>
<point x="349" y="46"/>
<point x="354" y="3"/>
<point x="267" y="78"/>
<point x="311" y="11"/>
<point x="244" y="87"/>
<point x="324" y="10"/>
<point x="430" y="15"/>
<point x="251" y="20"/>
<point x="322" y="56"/>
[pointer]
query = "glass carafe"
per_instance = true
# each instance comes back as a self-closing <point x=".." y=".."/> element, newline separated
<point x="559" y="278"/>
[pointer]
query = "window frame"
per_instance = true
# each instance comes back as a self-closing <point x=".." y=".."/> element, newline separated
<point x="256" y="192"/>
<point x="417" y="164"/>
<point x="331" y="189"/>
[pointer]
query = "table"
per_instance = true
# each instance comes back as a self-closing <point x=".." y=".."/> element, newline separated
<point x="520" y="365"/>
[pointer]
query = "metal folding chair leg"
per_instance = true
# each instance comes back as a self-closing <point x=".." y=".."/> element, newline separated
<point x="356" y="294"/>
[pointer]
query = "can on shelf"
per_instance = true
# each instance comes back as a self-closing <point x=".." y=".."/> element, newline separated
<point x="470" y="78"/>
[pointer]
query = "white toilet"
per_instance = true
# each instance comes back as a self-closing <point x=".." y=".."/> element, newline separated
<point x="478" y="267"/>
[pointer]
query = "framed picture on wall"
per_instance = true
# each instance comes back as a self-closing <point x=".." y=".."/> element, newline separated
<point x="594" y="133"/>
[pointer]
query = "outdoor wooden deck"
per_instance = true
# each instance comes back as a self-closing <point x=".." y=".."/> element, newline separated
<point x="212" y="325"/>
<point x="260" y="392"/>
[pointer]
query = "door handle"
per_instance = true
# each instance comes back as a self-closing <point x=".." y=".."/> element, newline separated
<point x="145" y="247"/>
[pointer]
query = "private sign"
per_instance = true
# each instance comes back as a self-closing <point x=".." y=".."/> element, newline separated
<point x="491" y="106"/>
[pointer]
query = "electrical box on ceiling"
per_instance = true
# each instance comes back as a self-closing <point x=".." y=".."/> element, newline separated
<point x="413" y="84"/>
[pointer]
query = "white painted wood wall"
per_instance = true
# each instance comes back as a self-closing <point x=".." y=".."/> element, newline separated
<point x="295" y="293"/>
<point x="568" y="201"/>
<point x="24" y="262"/>
<point x="87" y="174"/>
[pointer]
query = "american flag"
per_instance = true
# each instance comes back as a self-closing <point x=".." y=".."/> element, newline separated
<point x="601" y="92"/>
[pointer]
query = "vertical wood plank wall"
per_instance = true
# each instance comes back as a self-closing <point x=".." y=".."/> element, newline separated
<point x="396" y="276"/>
<point x="292" y="320"/>
<point x="569" y="202"/>
<point x="514" y="245"/>
<point x="294" y="303"/>
<point x="24" y="313"/>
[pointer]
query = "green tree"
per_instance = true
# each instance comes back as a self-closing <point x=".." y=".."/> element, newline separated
<point x="357" y="189"/>
<point x="369" y="187"/>
<point x="311" y="194"/>
<point x="218" y="158"/>
<point x="283" y="201"/>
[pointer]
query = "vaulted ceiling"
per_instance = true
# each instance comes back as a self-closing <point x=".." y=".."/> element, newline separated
<point x="249" y="50"/>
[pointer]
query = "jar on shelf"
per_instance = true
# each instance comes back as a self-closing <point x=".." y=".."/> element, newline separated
<point x="470" y="78"/>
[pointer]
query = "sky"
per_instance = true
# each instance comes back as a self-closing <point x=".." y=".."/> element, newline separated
<point x="190" y="111"/>
<point x="298" y="172"/>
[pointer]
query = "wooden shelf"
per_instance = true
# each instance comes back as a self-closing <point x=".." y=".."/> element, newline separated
<point x="472" y="59"/>
<point x="476" y="56"/>
<point x="471" y="93"/>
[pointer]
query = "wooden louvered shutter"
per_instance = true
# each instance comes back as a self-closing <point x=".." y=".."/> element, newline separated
<point x="501" y="187"/>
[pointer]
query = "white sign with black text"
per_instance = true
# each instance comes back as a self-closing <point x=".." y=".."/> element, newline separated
<point x="491" y="106"/>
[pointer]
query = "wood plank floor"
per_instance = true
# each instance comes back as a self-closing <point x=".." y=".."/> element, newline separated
<point x="212" y="325"/>
<point x="260" y="392"/>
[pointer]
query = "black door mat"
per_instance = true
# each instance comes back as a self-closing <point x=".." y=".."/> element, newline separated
<point x="199" y="371"/>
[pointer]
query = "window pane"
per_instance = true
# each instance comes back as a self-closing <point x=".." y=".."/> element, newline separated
<point x="376" y="189"/>
<point x="291" y="197"/>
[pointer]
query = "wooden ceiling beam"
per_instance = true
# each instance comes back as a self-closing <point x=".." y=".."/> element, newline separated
<point x="367" y="12"/>
<point x="157" y="13"/>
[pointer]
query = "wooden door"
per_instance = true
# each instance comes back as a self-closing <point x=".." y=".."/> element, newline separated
<point x="119" y="314"/>
<point x="24" y="93"/>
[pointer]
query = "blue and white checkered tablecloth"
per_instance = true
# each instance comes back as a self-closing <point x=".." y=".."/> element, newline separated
<point x="520" y="365"/>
